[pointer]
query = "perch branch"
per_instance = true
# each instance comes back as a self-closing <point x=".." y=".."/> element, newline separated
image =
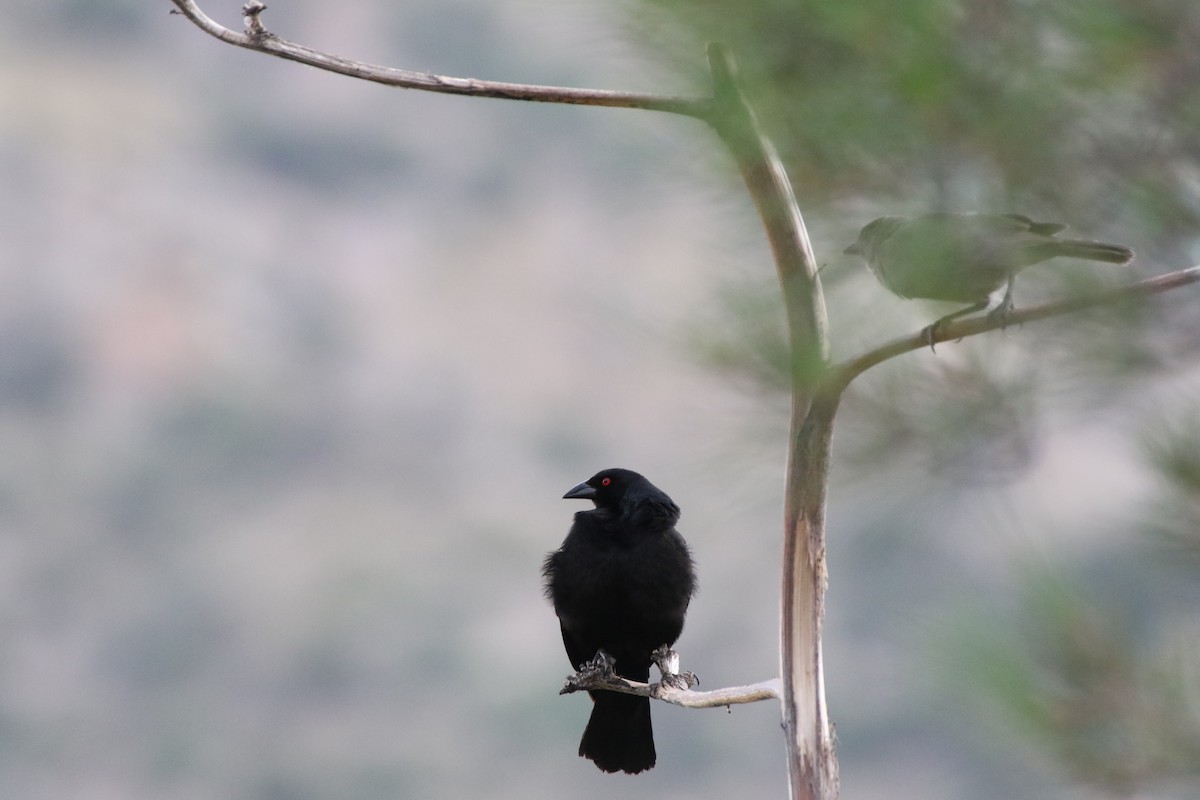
<point x="844" y="372"/>
<point x="669" y="693"/>
<point x="259" y="39"/>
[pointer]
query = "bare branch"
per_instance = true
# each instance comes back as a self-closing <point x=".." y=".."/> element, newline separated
<point x="258" y="38"/>
<point x="669" y="693"/>
<point x="846" y="371"/>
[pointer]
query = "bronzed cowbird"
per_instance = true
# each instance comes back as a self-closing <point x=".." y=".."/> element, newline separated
<point x="620" y="583"/>
<point x="967" y="258"/>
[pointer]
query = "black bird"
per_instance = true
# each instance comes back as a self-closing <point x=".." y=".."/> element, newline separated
<point x="620" y="583"/>
<point x="967" y="258"/>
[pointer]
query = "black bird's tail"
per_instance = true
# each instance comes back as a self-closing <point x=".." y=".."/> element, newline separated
<point x="618" y="737"/>
<point x="1093" y="251"/>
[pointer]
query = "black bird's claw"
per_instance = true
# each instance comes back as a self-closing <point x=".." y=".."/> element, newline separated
<point x="667" y="661"/>
<point x="680" y="680"/>
<point x="589" y="672"/>
<point x="601" y="666"/>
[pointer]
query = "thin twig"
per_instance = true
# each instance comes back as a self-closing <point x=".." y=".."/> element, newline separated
<point x="258" y="38"/>
<point x="668" y="693"/>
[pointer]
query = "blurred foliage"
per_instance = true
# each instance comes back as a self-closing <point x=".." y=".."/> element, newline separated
<point x="1173" y="447"/>
<point x="976" y="420"/>
<point x="1084" y="113"/>
<point x="1112" y="701"/>
<point x="1080" y="113"/>
<point x="1032" y="104"/>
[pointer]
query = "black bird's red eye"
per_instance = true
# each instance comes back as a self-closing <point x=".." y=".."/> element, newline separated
<point x="605" y="481"/>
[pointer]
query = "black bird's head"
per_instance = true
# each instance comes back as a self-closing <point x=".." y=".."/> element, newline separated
<point x="606" y="488"/>
<point x="631" y="496"/>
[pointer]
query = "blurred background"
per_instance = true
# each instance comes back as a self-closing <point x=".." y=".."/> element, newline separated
<point x="294" y="370"/>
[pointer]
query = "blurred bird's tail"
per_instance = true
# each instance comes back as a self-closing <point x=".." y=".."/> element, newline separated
<point x="1093" y="251"/>
<point x="619" y="737"/>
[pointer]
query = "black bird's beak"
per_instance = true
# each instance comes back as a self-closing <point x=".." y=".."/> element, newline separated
<point x="583" y="491"/>
<point x="852" y="250"/>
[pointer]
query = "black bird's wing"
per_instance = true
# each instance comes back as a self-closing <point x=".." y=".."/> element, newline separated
<point x="577" y="651"/>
